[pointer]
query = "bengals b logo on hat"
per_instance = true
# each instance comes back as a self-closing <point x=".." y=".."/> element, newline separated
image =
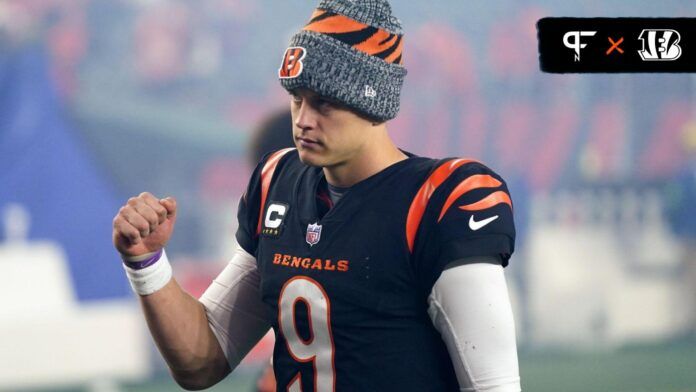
<point x="291" y="67"/>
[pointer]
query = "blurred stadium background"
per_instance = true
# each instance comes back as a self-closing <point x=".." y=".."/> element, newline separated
<point x="104" y="99"/>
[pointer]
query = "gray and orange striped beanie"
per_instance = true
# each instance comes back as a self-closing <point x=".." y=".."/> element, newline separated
<point x="349" y="51"/>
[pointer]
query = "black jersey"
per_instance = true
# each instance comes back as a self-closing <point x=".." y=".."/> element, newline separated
<point x="350" y="286"/>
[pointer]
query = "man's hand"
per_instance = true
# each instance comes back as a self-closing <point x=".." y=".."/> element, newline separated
<point x="144" y="224"/>
<point x="177" y="321"/>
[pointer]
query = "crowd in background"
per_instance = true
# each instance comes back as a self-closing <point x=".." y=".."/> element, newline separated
<point x="169" y="96"/>
<point x="205" y="71"/>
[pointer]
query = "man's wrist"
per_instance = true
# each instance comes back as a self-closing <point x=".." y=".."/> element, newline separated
<point x="150" y="274"/>
<point x="142" y="261"/>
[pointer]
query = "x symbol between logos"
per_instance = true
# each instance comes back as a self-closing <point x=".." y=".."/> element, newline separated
<point x="615" y="45"/>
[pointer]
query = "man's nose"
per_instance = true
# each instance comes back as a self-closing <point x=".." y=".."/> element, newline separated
<point x="306" y="116"/>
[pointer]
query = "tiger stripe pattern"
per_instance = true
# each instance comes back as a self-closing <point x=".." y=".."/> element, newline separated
<point x="367" y="39"/>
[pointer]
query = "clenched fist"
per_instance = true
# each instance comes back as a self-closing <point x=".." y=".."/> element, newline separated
<point x="144" y="224"/>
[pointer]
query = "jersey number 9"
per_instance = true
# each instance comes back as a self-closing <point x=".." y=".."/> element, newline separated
<point x="319" y="348"/>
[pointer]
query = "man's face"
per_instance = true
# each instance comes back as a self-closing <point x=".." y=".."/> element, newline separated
<point x="326" y="133"/>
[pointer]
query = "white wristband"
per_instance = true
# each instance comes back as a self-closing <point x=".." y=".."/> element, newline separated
<point x="147" y="280"/>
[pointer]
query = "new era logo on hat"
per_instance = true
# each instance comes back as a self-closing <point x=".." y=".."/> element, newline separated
<point x="370" y="92"/>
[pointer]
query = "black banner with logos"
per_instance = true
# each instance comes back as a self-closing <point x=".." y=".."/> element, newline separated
<point x="577" y="45"/>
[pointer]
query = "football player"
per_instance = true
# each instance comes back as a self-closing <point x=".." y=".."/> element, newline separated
<point x="378" y="270"/>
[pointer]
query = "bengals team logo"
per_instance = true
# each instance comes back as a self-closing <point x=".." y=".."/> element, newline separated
<point x="660" y="45"/>
<point x="292" y="62"/>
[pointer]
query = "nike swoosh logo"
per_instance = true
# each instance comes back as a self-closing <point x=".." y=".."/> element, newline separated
<point x="475" y="225"/>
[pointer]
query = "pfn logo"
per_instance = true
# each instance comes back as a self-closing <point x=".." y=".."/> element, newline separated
<point x="575" y="44"/>
<point x="662" y="45"/>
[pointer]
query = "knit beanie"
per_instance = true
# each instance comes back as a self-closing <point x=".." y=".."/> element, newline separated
<point x="349" y="51"/>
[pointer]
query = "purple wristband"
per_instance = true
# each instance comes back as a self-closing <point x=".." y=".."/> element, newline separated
<point x="138" y="265"/>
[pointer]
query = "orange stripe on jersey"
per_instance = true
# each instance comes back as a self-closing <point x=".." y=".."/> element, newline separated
<point x="266" y="177"/>
<point x="469" y="184"/>
<point x="489" y="201"/>
<point x="335" y="24"/>
<point x="420" y="202"/>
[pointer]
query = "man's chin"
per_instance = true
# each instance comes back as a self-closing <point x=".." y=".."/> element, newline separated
<point x="310" y="159"/>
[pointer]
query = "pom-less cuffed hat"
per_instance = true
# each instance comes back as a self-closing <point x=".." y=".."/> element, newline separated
<point x="350" y="51"/>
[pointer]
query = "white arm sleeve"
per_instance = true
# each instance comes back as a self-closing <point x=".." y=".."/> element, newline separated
<point x="236" y="314"/>
<point x="470" y="307"/>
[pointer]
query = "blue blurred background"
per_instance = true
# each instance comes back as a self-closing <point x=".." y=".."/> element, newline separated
<point x="103" y="99"/>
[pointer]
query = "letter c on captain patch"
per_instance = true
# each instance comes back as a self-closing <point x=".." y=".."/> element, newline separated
<point x="274" y="215"/>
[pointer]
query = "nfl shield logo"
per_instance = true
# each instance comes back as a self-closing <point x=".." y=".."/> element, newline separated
<point x="313" y="233"/>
